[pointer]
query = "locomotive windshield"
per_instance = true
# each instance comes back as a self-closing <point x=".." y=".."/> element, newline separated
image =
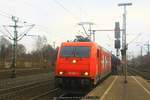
<point x="75" y="51"/>
<point x="67" y="51"/>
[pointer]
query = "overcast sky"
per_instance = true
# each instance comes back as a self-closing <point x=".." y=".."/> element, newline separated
<point x="57" y="19"/>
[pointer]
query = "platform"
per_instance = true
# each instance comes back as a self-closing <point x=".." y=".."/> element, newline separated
<point x="114" y="88"/>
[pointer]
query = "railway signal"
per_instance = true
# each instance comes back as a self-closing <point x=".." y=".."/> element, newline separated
<point x="117" y="44"/>
<point x="117" y="30"/>
<point x="124" y="45"/>
<point x="117" y="37"/>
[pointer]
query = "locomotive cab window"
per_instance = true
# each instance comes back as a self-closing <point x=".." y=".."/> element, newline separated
<point x="82" y="51"/>
<point x="67" y="51"/>
<point x="75" y="51"/>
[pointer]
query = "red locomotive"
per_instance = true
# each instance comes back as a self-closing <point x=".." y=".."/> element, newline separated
<point x="84" y="63"/>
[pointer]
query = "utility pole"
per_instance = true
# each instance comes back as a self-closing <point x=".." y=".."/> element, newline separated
<point x="133" y="61"/>
<point x="15" y="20"/>
<point x="15" y="39"/>
<point x="141" y="54"/>
<point x="124" y="45"/>
<point x="148" y="48"/>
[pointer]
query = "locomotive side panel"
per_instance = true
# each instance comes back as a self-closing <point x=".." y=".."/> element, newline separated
<point x="105" y="63"/>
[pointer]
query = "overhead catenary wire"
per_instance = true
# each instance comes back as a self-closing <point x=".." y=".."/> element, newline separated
<point x="31" y="26"/>
<point x="5" y="35"/>
<point x="25" y="32"/>
<point x="7" y="31"/>
<point x="67" y="10"/>
<point x="21" y="20"/>
<point x="4" y="14"/>
<point x="82" y="33"/>
<point x="134" y="39"/>
<point x="58" y="2"/>
<point x="9" y="16"/>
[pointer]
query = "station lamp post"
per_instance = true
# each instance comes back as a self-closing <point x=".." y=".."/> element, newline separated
<point x="124" y="45"/>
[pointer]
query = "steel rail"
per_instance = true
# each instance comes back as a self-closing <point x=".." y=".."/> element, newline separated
<point x="15" y="90"/>
<point x="44" y="94"/>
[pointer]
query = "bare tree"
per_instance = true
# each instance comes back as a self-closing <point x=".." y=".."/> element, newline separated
<point x="40" y="42"/>
<point x="4" y="44"/>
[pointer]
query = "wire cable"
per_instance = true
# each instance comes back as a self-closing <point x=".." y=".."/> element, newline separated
<point x="6" y="35"/>
<point x="4" y="14"/>
<point x="67" y="10"/>
<point x="7" y="31"/>
<point x="25" y="32"/>
<point x="134" y="39"/>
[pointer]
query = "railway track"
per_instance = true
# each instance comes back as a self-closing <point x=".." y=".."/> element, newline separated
<point x="4" y="74"/>
<point x="35" y="90"/>
<point x="24" y="91"/>
<point x="144" y="74"/>
<point x="59" y="94"/>
<point x="72" y="95"/>
<point x="49" y="94"/>
<point x="16" y="88"/>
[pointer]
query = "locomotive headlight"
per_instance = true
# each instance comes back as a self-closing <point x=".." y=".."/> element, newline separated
<point x="61" y="73"/>
<point x="74" y="61"/>
<point x="86" y="73"/>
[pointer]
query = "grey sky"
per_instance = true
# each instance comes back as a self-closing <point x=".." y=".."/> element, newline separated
<point x="57" y="19"/>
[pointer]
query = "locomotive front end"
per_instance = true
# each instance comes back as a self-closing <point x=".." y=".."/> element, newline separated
<point x="73" y="65"/>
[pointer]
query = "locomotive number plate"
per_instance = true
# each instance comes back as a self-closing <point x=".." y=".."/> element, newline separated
<point x="73" y="73"/>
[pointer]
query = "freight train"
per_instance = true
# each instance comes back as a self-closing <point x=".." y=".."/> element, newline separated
<point x="82" y="64"/>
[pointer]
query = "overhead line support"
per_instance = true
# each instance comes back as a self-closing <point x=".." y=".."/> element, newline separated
<point x="124" y="45"/>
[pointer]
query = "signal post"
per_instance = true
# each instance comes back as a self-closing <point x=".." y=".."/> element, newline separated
<point x="124" y="45"/>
